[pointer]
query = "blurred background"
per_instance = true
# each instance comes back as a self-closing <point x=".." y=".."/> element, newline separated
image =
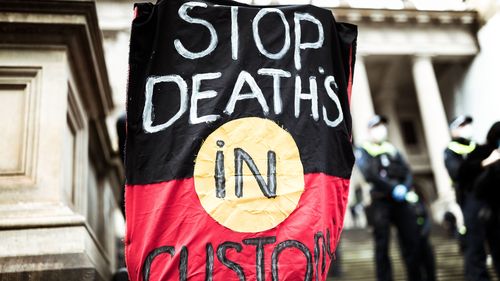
<point x="63" y="78"/>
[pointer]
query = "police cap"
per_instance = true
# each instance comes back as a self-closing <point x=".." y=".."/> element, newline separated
<point x="376" y="120"/>
<point x="460" y="121"/>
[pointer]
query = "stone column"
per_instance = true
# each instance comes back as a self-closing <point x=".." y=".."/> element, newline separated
<point x="387" y="107"/>
<point x="361" y="102"/>
<point x="361" y="110"/>
<point x="436" y="134"/>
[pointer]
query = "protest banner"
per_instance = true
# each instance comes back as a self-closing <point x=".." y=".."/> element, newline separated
<point x="238" y="151"/>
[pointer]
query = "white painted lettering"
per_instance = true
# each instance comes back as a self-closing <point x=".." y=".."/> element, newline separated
<point x="331" y="93"/>
<point x="213" y="35"/>
<point x="243" y="78"/>
<point x="277" y="74"/>
<point x="197" y="95"/>
<point x="299" y="45"/>
<point x="313" y="96"/>
<point x="256" y="35"/>
<point x="234" y="33"/>
<point x="148" y="112"/>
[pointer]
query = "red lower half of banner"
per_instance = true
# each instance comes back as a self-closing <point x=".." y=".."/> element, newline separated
<point x="170" y="236"/>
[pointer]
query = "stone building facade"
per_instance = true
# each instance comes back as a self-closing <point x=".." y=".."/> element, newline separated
<point x="60" y="178"/>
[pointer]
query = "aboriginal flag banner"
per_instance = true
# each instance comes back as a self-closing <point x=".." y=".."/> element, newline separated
<point x="238" y="151"/>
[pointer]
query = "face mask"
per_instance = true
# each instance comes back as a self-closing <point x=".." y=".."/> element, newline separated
<point x="379" y="133"/>
<point x="465" y="132"/>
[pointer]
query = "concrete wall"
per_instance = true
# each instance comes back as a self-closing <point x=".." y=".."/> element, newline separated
<point x="479" y="94"/>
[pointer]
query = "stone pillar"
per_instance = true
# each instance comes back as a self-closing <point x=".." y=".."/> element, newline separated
<point x="60" y="179"/>
<point x="387" y="107"/>
<point x="361" y="110"/>
<point x="361" y="102"/>
<point x="436" y="134"/>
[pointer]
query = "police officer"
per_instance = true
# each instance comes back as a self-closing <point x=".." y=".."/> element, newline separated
<point x="487" y="189"/>
<point x="385" y="169"/>
<point x="463" y="162"/>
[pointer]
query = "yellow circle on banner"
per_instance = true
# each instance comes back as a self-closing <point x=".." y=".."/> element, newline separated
<point x="248" y="174"/>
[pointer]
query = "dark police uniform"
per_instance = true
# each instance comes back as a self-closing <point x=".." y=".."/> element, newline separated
<point x="427" y="259"/>
<point x="461" y="168"/>
<point x="463" y="162"/>
<point x="383" y="166"/>
<point x="487" y="188"/>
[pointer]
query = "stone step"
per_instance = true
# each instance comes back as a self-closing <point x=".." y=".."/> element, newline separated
<point x="357" y="257"/>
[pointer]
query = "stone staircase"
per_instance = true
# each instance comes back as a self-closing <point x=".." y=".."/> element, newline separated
<point x="357" y="257"/>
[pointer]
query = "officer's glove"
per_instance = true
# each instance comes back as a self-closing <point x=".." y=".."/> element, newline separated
<point x="399" y="193"/>
<point x="411" y="197"/>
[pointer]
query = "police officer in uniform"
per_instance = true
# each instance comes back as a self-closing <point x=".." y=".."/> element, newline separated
<point x="463" y="162"/>
<point x="487" y="189"/>
<point x="385" y="169"/>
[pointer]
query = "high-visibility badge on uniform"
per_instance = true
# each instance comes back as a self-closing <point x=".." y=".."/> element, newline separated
<point x="238" y="152"/>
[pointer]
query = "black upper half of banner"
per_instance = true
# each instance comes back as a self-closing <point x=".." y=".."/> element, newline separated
<point x="196" y="65"/>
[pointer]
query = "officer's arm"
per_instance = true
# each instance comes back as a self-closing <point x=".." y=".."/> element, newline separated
<point x="366" y="165"/>
<point x="408" y="181"/>
<point x="453" y="164"/>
